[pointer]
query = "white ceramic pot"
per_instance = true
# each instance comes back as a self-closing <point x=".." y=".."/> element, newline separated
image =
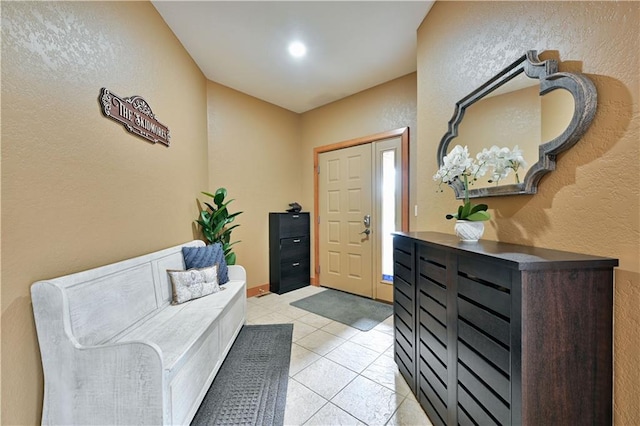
<point x="469" y="230"/>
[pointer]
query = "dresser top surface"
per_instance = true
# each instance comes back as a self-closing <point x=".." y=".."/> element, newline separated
<point x="288" y="213"/>
<point x="514" y="255"/>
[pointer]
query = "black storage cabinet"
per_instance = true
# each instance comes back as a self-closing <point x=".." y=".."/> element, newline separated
<point x="494" y="333"/>
<point x="289" y="252"/>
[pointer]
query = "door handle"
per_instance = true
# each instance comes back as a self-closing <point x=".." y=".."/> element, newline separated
<point x="367" y="220"/>
<point x="366" y="231"/>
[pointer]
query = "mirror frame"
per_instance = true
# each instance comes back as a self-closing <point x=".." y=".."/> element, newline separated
<point x="585" y="99"/>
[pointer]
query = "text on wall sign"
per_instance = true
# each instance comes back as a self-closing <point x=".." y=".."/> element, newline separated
<point x="135" y="115"/>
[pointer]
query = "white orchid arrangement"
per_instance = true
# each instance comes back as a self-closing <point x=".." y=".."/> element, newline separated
<point x="458" y="164"/>
<point x="503" y="161"/>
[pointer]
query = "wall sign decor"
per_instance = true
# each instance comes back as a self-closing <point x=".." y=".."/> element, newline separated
<point x="135" y="115"/>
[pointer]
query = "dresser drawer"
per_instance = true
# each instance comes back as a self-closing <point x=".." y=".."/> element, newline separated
<point x="295" y="274"/>
<point x="294" y="249"/>
<point x="294" y="225"/>
<point x="294" y="270"/>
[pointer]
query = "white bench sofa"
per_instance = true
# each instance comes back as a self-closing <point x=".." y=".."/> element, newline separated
<point x="115" y="351"/>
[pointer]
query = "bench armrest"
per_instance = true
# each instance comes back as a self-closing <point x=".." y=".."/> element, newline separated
<point x="237" y="273"/>
<point x="81" y="381"/>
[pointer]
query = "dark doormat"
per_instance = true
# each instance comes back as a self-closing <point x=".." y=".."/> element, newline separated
<point x="354" y="311"/>
<point x="251" y="385"/>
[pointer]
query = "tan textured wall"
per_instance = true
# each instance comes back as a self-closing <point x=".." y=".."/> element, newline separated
<point x="254" y="152"/>
<point x="78" y="191"/>
<point x="263" y="154"/>
<point x="590" y="204"/>
<point x="389" y="106"/>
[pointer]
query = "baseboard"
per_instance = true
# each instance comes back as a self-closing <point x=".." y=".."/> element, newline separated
<point x="264" y="288"/>
<point x="255" y="291"/>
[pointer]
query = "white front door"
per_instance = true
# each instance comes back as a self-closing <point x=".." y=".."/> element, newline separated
<point x="345" y="199"/>
<point x="359" y="197"/>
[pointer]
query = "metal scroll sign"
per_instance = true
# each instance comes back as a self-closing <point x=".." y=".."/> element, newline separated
<point x="135" y="115"/>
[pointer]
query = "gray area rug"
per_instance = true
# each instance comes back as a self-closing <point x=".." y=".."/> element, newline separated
<point x="354" y="311"/>
<point x="251" y="385"/>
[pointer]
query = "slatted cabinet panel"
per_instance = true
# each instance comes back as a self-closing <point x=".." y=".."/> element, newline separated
<point x="484" y="340"/>
<point x="432" y="334"/>
<point x="404" y="295"/>
<point x="491" y="333"/>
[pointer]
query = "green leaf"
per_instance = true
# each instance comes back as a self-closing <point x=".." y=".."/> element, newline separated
<point x="217" y="228"/>
<point x="459" y="215"/>
<point x="219" y="215"/>
<point x="232" y="227"/>
<point x="208" y="236"/>
<point x="232" y="216"/>
<point x="478" y="208"/>
<point x="223" y="206"/>
<point x="231" y="259"/>
<point x="208" y="194"/>
<point x="205" y="217"/>
<point x="466" y="209"/>
<point x="479" y="216"/>
<point x="221" y="193"/>
<point x="227" y="246"/>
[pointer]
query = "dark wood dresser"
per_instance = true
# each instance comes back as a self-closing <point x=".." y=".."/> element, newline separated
<point x="289" y="251"/>
<point x="494" y="333"/>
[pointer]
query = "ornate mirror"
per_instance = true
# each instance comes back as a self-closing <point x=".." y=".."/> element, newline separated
<point x="528" y="107"/>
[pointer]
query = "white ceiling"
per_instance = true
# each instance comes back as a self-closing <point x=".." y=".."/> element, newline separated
<point x="351" y="45"/>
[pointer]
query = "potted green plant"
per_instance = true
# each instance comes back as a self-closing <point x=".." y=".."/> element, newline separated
<point x="215" y="220"/>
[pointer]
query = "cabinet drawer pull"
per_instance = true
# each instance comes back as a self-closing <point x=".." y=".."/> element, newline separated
<point x="296" y="241"/>
<point x="295" y="216"/>
<point x="296" y="264"/>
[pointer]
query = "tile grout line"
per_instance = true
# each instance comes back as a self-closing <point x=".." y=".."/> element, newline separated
<point x="311" y="390"/>
<point x="378" y="329"/>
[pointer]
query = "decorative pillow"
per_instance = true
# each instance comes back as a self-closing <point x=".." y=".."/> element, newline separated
<point x="223" y="270"/>
<point x="202" y="257"/>
<point x="193" y="283"/>
<point x="198" y="257"/>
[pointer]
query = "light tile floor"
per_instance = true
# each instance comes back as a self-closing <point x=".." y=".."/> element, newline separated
<point x="338" y="375"/>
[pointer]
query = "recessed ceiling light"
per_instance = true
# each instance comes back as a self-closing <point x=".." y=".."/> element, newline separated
<point x="297" y="49"/>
